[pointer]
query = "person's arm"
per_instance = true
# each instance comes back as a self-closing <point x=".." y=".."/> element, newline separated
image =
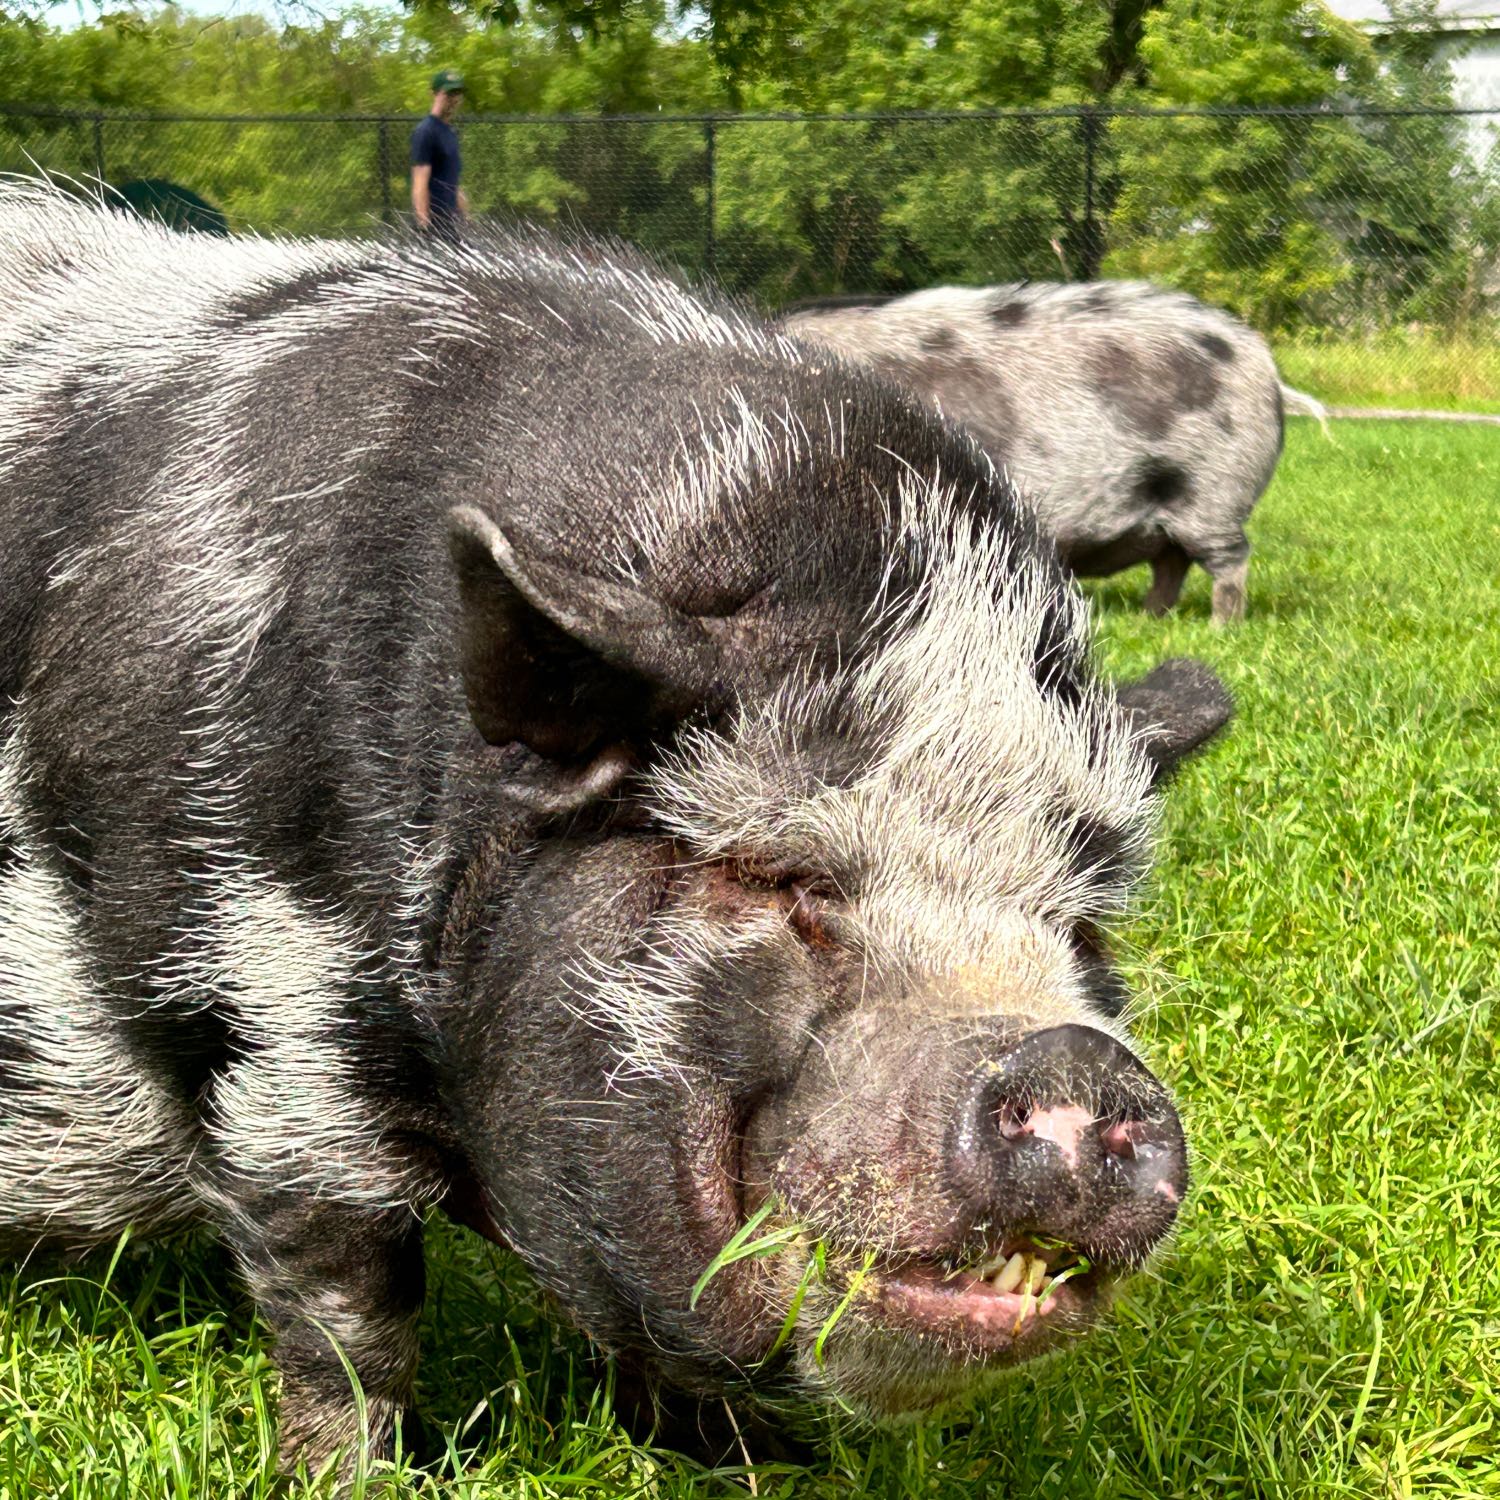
<point x="463" y="203"/>
<point x="421" y="194"/>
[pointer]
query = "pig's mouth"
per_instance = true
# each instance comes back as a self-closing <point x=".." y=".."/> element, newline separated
<point x="1006" y="1304"/>
<point x="884" y="1313"/>
<point x="888" y="1336"/>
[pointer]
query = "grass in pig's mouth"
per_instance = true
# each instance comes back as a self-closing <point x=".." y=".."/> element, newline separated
<point x="989" y="1304"/>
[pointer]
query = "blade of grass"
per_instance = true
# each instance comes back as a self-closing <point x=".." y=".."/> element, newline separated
<point x="742" y="1247"/>
<point x="790" y="1321"/>
<point x="855" y="1282"/>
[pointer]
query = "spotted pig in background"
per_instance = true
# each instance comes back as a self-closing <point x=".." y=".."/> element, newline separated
<point x="491" y="729"/>
<point x="1141" y="424"/>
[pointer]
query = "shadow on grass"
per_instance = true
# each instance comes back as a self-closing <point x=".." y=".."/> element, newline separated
<point x="1274" y="594"/>
<point x="157" y="1283"/>
<point x="505" y="1381"/>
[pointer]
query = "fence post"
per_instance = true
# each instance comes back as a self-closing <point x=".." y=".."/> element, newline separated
<point x="711" y="168"/>
<point x="383" y="166"/>
<point x="99" y="149"/>
<point x="1090" y="239"/>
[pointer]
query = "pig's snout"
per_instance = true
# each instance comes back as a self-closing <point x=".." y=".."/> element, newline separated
<point x="1068" y="1135"/>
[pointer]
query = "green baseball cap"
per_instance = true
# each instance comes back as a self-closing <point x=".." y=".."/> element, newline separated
<point x="448" y="82"/>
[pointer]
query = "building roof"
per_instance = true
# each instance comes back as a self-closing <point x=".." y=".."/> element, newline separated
<point x="1449" y="15"/>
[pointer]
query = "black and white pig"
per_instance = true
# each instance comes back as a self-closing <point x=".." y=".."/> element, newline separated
<point x="488" y="728"/>
<point x="1142" y="424"/>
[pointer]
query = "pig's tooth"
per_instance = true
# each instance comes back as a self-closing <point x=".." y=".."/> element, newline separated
<point x="1036" y="1275"/>
<point x="1010" y="1276"/>
<point x="989" y="1267"/>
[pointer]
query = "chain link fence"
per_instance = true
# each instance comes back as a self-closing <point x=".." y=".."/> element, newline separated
<point x="1365" y="242"/>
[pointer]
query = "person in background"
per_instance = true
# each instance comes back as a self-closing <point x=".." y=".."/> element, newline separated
<point x="436" y="198"/>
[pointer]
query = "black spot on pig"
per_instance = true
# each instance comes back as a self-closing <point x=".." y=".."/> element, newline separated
<point x="1131" y="385"/>
<point x="1116" y="370"/>
<point x="1010" y="314"/>
<point x="1218" y="347"/>
<point x="1159" y="481"/>
<point x="183" y="1052"/>
<point x="1100" y="978"/>
<point x="254" y="307"/>
<point x="934" y="340"/>
<point x="375" y="1036"/>
<point x="965" y="386"/>
<point x="14" y="1057"/>
<point x="1193" y="381"/>
<point x="1098" y="849"/>
<point x="1054" y="660"/>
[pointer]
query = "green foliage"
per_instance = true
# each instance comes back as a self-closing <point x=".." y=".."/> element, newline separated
<point x="1302" y="221"/>
<point x="340" y="176"/>
<point x="745" y="1244"/>
<point x="1319" y="962"/>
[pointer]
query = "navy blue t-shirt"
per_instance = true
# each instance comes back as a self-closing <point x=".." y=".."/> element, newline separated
<point x="434" y="143"/>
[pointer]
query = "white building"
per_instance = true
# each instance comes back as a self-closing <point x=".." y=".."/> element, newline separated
<point x="1470" y="32"/>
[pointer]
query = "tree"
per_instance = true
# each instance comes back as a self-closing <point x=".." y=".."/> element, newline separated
<point x="1303" y="218"/>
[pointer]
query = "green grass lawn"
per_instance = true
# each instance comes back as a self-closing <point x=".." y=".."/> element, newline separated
<point x="1412" y="370"/>
<point x="1321" y="952"/>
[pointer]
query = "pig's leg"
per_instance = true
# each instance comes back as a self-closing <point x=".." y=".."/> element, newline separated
<point x="320" y="1203"/>
<point x="1229" y="590"/>
<point x="1168" y="569"/>
<point x="335" y="1281"/>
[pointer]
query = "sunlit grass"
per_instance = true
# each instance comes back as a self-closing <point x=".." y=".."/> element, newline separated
<point x="1321" y="951"/>
<point x="1416" y="370"/>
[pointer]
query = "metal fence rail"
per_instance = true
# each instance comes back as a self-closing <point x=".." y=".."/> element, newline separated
<point x="1313" y="223"/>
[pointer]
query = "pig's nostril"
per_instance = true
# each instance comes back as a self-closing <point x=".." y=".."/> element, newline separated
<point x="1012" y="1120"/>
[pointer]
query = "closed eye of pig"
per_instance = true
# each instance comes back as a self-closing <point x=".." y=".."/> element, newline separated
<point x="601" y="769"/>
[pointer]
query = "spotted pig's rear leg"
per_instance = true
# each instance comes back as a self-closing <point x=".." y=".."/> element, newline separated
<point x="1168" y="569"/>
<point x="1229" y="590"/>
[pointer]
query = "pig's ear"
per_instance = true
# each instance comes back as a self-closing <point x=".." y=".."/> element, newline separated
<point x="562" y="662"/>
<point x="1178" y="708"/>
